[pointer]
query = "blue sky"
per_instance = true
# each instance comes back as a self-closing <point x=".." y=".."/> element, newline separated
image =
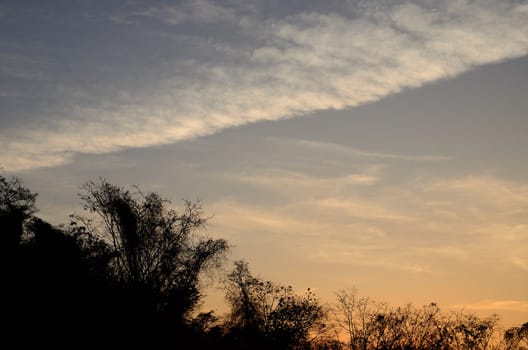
<point x="377" y="144"/>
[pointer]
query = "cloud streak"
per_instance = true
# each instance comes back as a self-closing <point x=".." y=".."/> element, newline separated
<point x="495" y="305"/>
<point x="289" y="66"/>
<point x="410" y="228"/>
<point x="333" y="148"/>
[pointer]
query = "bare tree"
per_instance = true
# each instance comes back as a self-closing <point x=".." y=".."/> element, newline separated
<point x="368" y="325"/>
<point x="351" y="316"/>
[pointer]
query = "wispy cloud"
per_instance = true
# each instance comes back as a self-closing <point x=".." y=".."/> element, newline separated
<point x="277" y="180"/>
<point x="288" y="66"/>
<point x="410" y="228"/>
<point x="484" y="193"/>
<point x="22" y="67"/>
<point x="495" y="305"/>
<point x="379" y="258"/>
<point x="200" y="11"/>
<point x="325" y="237"/>
<point x="520" y="263"/>
<point x="334" y="148"/>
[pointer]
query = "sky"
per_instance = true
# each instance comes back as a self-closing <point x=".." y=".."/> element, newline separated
<point x="370" y="144"/>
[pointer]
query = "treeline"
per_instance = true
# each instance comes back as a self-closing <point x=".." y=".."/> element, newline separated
<point x="128" y="272"/>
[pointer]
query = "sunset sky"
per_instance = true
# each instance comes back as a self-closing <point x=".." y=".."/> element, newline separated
<point x="377" y="144"/>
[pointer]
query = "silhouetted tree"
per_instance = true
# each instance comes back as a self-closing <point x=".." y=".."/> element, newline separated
<point x="46" y="288"/>
<point x="471" y="332"/>
<point x="51" y="274"/>
<point x="351" y="316"/>
<point x="130" y="271"/>
<point x="17" y="205"/>
<point x="154" y="253"/>
<point x="267" y="315"/>
<point x="368" y="325"/>
<point x="516" y="337"/>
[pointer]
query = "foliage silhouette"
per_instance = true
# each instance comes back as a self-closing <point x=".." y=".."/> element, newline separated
<point x="17" y="205"/>
<point x="516" y="337"/>
<point x="128" y="272"/>
<point x="369" y="325"/>
<point x="267" y="314"/>
<point x="154" y="253"/>
<point x="137" y="274"/>
<point x="46" y="285"/>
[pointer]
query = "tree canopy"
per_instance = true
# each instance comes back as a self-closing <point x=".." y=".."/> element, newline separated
<point x="271" y="314"/>
<point x="153" y="248"/>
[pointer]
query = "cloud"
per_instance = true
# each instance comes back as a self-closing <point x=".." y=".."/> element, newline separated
<point x="267" y="68"/>
<point x="379" y="258"/>
<point x="520" y="263"/>
<point x="200" y="11"/>
<point x="334" y="148"/>
<point x="311" y="232"/>
<point x="408" y="227"/>
<point x="22" y="67"/>
<point x="495" y="305"/>
<point x="278" y="180"/>
<point x="486" y="192"/>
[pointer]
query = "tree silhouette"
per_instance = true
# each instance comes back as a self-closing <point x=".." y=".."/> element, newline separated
<point x="17" y="205"/>
<point x="129" y="271"/>
<point x="351" y="315"/>
<point x="370" y="325"/>
<point x="516" y="337"/>
<point x="46" y="286"/>
<point x="268" y="315"/>
<point x="156" y="254"/>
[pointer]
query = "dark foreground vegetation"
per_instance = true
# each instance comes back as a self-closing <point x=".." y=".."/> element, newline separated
<point x="128" y="273"/>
